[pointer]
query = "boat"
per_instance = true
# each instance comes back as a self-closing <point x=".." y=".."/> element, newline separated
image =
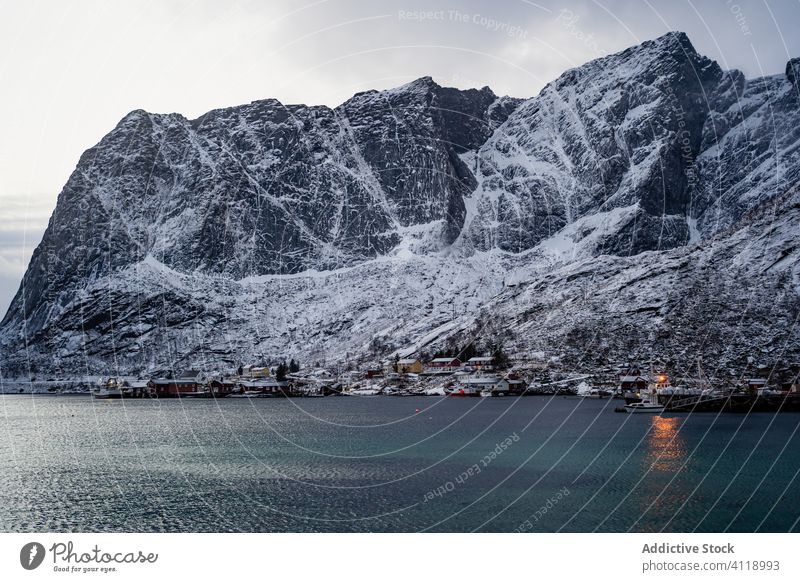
<point x="367" y="391"/>
<point x="463" y="391"/>
<point x="648" y="404"/>
<point x="644" y="406"/>
<point x="634" y="387"/>
<point x="111" y="388"/>
<point x="104" y="393"/>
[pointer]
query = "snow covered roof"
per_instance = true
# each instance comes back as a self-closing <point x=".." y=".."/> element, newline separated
<point x="408" y="361"/>
<point x="481" y="359"/>
<point x="443" y="360"/>
<point x="633" y="379"/>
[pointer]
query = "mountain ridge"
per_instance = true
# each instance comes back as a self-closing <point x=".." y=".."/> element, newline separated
<point x="172" y="241"/>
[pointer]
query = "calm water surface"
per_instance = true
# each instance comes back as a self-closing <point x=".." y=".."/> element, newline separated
<point x="70" y="463"/>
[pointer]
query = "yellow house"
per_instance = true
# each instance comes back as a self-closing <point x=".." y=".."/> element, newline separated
<point x="409" y="366"/>
<point x="255" y="372"/>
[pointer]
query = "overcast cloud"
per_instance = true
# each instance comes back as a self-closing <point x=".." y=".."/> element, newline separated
<point x="70" y="70"/>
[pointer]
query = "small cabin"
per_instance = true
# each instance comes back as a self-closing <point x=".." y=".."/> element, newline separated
<point x="516" y="385"/>
<point x="756" y="385"/>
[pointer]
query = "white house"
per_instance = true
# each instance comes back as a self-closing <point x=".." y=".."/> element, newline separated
<point x="481" y="363"/>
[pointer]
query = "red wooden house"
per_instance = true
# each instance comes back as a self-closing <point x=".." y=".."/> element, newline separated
<point x="440" y="365"/>
<point x="172" y="387"/>
<point x="223" y="387"/>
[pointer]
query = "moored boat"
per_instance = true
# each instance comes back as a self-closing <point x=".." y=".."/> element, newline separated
<point x="111" y="388"/>
<point x="103" y="393"/>
<point x="363" y="392"/>
<point x="645" y="406"/>
<point x="649" y="404"/>
<point x="474" y="391"/>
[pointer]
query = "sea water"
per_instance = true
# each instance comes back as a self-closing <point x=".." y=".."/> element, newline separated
<point x="346" y="464"/>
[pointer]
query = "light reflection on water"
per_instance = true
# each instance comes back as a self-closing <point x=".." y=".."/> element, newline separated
<point x="657" y="494"/>
<point x="666" y="449"/>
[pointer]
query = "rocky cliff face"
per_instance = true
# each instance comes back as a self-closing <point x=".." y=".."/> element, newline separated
<point x="621" y="131"/>
<point x="262" y="189"/>
<point x="401" y="218"/>
<point x="750" y="149"/>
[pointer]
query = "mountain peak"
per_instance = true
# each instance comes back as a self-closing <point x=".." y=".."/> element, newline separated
<point x="425" y="83"/>
<point x="671" y="37"/>
<point x="670" y="56"/>
<point x="674" y="43"/>
<point x="134" y="117"/>
<point x="425" y="80"/>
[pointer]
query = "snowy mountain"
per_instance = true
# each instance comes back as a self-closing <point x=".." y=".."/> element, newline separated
<point x="642" y="205"/>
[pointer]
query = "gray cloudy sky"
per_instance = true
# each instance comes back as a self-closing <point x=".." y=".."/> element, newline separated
<point x="69" y="70"/>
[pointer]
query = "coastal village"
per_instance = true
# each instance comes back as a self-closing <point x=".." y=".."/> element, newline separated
<point x="441" y="376"/>
<point x="643" y="388"/>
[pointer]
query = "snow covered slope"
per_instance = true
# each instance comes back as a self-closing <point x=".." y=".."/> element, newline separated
<point x="625" y="198"/>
